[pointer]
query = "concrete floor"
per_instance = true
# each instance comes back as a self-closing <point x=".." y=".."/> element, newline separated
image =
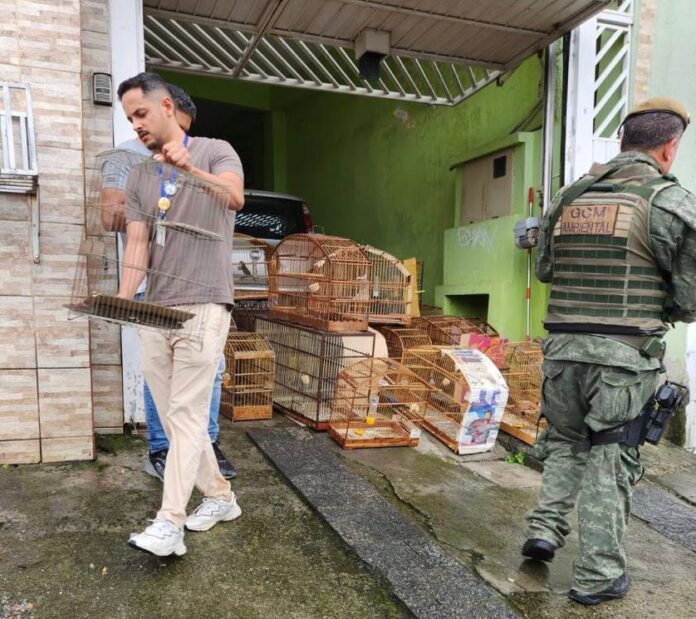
<point x="63" y="532"/>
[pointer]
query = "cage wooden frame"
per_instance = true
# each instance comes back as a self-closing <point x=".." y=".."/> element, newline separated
<point x="400" y="339"/>
<point x="522" y="371"/>
<point x="248" y="381"/>
<point x="250" y="258"/>
<point x="308" y="362"/>
<point x="448" y="330"/>
<point x="320" y="281"/>
<point x="447" y="406"/>
<point x="377" y="403"/>
<point x="391" y="294"/>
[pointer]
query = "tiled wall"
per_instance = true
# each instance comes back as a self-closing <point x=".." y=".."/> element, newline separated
<point x="57" y="376"/>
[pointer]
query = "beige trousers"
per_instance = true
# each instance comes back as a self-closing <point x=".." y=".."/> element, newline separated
<point x="180" y="369"/>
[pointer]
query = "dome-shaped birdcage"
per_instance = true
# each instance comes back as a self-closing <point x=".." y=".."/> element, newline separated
<point x="400" y="339"/>
<point x="250" y="257"/>
<point x="392" y="291"/>
<point x="320" y="281"/>
<point x="522" y="371"/>
<point x="377" y="403"/>
<point x="467" y="398"/>
<point x="449" y="330"/>
<point x="247" y="384"/>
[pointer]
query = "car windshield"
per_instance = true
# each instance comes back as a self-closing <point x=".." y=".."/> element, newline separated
<point x="269" y="217"/>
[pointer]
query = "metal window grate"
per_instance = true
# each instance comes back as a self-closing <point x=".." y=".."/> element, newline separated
<point x="19" y="166"/>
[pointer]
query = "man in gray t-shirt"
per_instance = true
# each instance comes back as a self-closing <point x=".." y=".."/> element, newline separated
<point x="180" y="368"/>
<point x="115" y="172"/>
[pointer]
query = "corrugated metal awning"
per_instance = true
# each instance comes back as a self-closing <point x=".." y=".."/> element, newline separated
<point x="441" y="52"/>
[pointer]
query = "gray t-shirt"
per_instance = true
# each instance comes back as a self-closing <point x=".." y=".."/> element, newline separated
<point x="115" y="169"/>
<point x="187" y="268"/>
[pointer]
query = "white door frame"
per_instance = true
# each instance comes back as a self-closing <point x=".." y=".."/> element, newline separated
<point x="127" y="59"/>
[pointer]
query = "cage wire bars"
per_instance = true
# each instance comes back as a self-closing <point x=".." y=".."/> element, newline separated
<point x="173" y="296"/>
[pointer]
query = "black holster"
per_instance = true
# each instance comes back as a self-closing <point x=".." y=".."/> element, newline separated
<point x="647" y="427"/>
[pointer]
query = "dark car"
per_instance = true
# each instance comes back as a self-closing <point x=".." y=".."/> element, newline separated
<point x="272" y="216"/>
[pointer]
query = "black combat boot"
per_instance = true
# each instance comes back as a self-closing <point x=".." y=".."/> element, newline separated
<point x="539" y="550"/>
<point x="614" y="591"/>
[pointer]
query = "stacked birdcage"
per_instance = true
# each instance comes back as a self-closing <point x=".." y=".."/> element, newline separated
<point x="250" y="258"/>
<point x="320" y="281"/>
<point x="400" y="339"/>
<point x="522" y="370"/>
<point x="467" y="396"/>
<point x="449" y="330"/>
<point x="176" y="221"/>
<point x="377" y="403"/>
<point x="392" y="290"/>
<point x="247" y="384"/>
<point x="308" y="362"/>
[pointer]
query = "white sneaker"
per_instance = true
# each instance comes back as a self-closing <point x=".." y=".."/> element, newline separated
<point x="212" y="511"/>
<point x="161" y="538"/>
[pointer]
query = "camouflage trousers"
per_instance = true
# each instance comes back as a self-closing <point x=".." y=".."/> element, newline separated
<point x="577" y="396"/>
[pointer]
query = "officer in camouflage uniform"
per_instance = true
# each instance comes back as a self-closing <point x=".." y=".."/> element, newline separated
<point x="619" y="249"/>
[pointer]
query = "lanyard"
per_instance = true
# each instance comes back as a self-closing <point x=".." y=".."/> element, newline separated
<point x="168" y="187"/>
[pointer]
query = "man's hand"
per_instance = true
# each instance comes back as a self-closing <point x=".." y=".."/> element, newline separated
<point x="176" y="154"/>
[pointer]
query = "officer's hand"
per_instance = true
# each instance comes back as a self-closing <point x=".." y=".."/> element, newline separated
<point x="176" y="154"/>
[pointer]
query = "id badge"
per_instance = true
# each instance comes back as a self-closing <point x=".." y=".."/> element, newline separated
<point x="160" y="235"/>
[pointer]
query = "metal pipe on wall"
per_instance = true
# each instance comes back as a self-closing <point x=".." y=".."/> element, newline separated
<point x="548" y="125"/>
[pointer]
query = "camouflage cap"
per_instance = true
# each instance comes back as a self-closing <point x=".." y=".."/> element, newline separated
<point x="661" y="104"/>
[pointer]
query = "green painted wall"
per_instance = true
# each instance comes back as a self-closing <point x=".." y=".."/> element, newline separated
<point x="378" y="170"/>
<point x="481" y="258"/>
<point x="672" y="75"/>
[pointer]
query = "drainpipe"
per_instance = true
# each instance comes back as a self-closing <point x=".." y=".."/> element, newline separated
<point x="549" y="109"/>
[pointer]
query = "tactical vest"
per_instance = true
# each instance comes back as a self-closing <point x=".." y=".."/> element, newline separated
<point x="605" y="274"/>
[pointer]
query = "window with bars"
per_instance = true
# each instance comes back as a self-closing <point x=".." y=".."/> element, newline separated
<point x="19" y="167"/>
<point x="612" y="68"/>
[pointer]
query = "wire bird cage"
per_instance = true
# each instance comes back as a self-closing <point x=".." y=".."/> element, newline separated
<point x="377" y="403"/>
<point x="308" y="363"/>
<point x="401" y="339"/>
<point x="392" y="290"/>
<point x="246" y="311"/>
<point x="467" y="397"/>
<point x="247" y="384"/>
<point x="174" y="286"/>
<point x="448" y="330"/>
<point x="522" y="370"/>
<point x="321" y="282"/>
<point x="250" y="257"/>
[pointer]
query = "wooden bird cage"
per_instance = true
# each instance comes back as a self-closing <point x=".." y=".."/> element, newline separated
<point x="400" y="339"/>
<point x="392" y="290"/>
<point x="321" y="282"/>
<point x="448" y="330"/>
<point x="250" y="258"/>
<point x="308" y="363"/>
<point x="522" y="370"/>
<point x="248" y="381"/>
<point x="197" y="233"/>
<point x="246" y="311"/>
<point x="377" y="403"/>
<point x="467" y="397"/>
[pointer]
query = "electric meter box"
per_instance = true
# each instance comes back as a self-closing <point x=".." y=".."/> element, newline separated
<point x="527" y="233"/>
